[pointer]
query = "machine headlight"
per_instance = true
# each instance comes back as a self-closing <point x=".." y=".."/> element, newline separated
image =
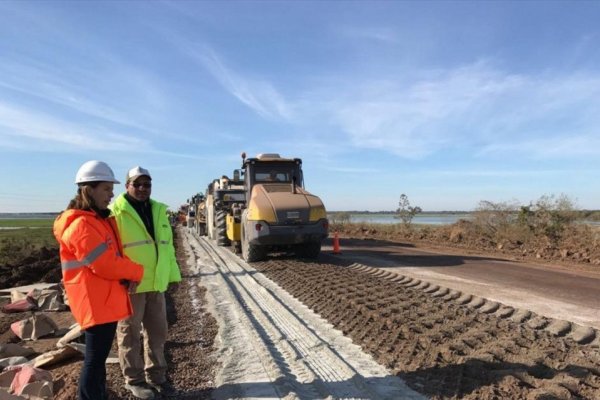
<point x="316" y="213"/>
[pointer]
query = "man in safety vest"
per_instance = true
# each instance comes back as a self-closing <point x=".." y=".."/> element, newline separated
<point x="148" y="240"/>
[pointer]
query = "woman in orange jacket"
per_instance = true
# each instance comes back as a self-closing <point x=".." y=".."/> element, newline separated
<point x="95" y="274"/>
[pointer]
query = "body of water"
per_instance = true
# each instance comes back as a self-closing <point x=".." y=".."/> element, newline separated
<point x="423" y="219"/>
<point x="426" y="219"/>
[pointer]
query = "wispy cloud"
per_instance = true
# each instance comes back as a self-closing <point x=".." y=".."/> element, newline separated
<point x="381" y="34"/>
<point x="500" y="173"/>
<point x="259" y="95"/>
<point x="44" y="131"/>
<point x="53" y="86"/>
<point x="24" y="129"/>
<point x="473" y="106"/>
<point x="569" y="145"/>
<point x="353" y="170"/>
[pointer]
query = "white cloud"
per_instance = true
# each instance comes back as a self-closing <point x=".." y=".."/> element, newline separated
<point x="497" y="173"/>
<point x="23" y="129"/>
<point x="40" y="132"/>
<point x="259" y="95"/>
<point x="377" y="33"/>
<point x="353" y="170"/>
<point x="469" y="107"/>
<point x="116" y="92"/>
<point x="568" y="145"/>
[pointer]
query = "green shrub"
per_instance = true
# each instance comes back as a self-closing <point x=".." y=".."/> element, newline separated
<point x="549" y="216"/>
<point x="494" y="220"/>
<point x="547" y="219"/>
<point x="405" y="211"/>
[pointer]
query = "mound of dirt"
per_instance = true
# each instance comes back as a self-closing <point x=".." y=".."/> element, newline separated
<point x="42" y="265"/>
<point x="579" y="244"/>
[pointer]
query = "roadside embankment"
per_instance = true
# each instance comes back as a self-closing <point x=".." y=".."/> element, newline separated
<point x="577" y="244"/>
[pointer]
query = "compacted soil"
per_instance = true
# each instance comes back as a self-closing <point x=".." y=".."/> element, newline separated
<point x="444" y="345"/>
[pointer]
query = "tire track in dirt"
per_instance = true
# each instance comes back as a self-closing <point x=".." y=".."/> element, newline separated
<point x="446" y="344"/>
<point x="271" y="348"/>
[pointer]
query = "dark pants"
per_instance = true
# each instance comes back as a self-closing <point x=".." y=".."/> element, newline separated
<point x="98" y="341"/>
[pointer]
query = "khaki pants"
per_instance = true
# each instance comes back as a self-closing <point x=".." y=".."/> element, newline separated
<point x="150" y="319"/>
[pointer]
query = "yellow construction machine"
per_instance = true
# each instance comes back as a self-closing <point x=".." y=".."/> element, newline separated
<point x="265" y="208"/>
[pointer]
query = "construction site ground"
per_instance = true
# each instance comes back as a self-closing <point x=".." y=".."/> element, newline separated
<point x="380" y="320"/>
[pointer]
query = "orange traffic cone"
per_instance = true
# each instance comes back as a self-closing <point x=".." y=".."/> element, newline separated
<point x="336" y="244"/>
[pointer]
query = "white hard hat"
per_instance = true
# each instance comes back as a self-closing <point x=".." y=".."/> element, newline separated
<point x="95" y="171"/>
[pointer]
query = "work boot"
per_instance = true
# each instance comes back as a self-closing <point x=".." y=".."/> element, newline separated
<point x="140" y="390"/>
<point x="164" y="388"/>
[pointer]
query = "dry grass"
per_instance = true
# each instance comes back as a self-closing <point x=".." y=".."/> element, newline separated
<point x="17" y="244"/>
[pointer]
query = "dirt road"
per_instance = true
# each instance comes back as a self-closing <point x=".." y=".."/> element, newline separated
<point x="444" y="343"/>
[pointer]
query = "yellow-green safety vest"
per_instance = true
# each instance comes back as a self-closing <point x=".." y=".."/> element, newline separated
<point x="157" y="256"/>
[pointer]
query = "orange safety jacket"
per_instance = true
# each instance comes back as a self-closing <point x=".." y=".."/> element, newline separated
<point x="92" y="267"/>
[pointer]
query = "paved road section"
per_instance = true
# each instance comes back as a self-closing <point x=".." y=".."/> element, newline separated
<point x="553" y="291"/>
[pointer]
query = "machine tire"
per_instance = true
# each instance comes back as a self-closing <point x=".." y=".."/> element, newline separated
<point x="308" y="250"/>
<point x="221" y="231"/>
<point x="250" y="252"/>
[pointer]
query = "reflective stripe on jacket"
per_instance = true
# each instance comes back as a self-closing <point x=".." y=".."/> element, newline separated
<point x="92" y="266"/>
<point x="157" y="257"/>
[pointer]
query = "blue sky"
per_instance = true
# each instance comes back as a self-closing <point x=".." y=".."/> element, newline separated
<point x="448" y="102"/>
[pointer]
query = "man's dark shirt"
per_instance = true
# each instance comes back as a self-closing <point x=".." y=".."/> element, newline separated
<point x="144" y="210"/>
